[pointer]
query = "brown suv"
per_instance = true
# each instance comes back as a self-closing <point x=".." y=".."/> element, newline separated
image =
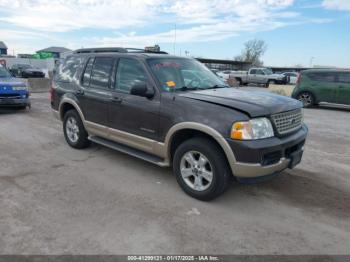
<point x="173" y="111"/>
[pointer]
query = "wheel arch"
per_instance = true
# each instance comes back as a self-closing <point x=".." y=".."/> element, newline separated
<point x="183" y="131"/>
<point x="67" y="104"/>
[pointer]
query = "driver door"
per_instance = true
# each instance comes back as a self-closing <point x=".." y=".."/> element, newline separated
<point x="133" y="114"/>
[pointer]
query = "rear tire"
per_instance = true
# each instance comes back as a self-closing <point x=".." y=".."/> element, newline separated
<point x="74" y="130"/>
<point x="201" y="169"/>
<point x="307" y="99"/>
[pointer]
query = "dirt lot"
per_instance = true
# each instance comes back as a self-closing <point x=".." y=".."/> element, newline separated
<point x="54" y="199"/>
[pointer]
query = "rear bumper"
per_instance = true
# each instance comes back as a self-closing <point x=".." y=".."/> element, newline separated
<point x="267" y="156"/>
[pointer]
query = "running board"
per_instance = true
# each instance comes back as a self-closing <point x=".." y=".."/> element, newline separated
<point x="129" y="150"/>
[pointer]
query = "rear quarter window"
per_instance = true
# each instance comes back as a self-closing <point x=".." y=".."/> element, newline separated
<point x="344" y="77"/>
<point x="67" y="71"/>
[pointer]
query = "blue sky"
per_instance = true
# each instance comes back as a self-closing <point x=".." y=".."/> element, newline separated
<point x="298" y="32"/>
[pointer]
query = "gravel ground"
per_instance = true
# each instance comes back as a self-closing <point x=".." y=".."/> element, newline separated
<point x="57" y="200"/>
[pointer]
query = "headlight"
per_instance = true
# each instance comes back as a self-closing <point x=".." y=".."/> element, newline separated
<point x="19" y="88"/>
<point x="256" y="128"/>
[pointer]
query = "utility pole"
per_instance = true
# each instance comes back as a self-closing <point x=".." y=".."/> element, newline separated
<point x="175" y="40"/>
<point x="311" y="61"/>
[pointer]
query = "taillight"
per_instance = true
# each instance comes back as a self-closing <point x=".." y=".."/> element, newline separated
<point x="299" y="78"/>
<point x="51" y="92"/>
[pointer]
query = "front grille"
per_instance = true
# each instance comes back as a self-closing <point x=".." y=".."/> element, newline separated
<point x="10" y="96"/>
<point x="287" y="122"/>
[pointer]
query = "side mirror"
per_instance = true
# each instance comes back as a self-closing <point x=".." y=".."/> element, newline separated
<point x="141" y="90"/>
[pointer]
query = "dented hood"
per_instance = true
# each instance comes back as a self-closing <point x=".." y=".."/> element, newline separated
<point x="252" y="103"/>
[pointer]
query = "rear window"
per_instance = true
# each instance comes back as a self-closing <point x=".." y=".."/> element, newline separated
<point x="322" y="76"/>
<point x="67" y="71"/>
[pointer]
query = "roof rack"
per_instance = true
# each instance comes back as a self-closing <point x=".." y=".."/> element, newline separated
<point x="115" y="50"/>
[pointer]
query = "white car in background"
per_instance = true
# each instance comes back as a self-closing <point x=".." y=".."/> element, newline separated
<point x="293" y="77"/>
<point x="224" y="74"/>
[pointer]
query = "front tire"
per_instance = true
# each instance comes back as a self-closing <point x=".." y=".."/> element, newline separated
<point x="201" y="169"/>
<point x="74" y="130"/>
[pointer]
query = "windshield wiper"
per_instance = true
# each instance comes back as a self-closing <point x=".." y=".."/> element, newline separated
<point x="185" y="88"/>
<point x="216" y="86"/>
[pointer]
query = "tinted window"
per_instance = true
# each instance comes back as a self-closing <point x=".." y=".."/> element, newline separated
<point x="344" y="77"/>
<point x="260" y="72"/>
<point x="101" y="71"/>
<point x="129" y="73"/>
<point x="322" y="77"/>
<point x="68" y="69"/>
<point x="87" y="72"/>
<point x="253" y="71"/>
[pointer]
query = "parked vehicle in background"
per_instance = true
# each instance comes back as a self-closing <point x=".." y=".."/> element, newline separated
<point x="225" y="74"/>
<point x="13" y="92"/>
<point x="293" y="77"/>
<point x="323" y="85"/>
<point x="263" y="76"/>
<point x="173" y="111"/>
<point x="26" y="71"/>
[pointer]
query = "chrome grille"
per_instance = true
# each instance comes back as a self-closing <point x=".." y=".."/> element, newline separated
<point x="287" y="122"/>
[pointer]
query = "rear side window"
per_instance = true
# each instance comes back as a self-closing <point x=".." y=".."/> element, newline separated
<point x="322" y="77"/>
<point x="344" y="77"/>
<point x="87" y="72"/>
<point x="67" y="71"/>
<point x="101" y="72"/>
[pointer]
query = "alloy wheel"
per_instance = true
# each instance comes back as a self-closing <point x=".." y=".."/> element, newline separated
<point x="72" y="129"/>
<point x="196" y="170"/>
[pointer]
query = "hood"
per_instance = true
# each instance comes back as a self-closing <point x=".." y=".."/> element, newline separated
<point x="252" y="103"/>
<point x="11" y="81"/>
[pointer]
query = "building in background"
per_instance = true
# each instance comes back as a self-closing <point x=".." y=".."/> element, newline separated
<point x="55" y="51"/>
<point x="222" y="65"/>
<point x="3" y="48"/>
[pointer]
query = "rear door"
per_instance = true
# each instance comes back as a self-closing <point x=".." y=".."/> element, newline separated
<point x="343" y="94"/>
<point x="95" y="93"/>
<point x="324" y="86"/>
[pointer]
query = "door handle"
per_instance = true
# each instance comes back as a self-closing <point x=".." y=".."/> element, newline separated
<point x="117" y="99"/>
<point x="79" y="92"/>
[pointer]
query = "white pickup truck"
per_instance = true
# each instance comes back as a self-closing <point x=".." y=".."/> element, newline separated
<point x="263" y="76"/>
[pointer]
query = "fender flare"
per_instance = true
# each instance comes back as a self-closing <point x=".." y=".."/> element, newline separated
<point x="205" y="129"/>
<point x="70" y="101"/>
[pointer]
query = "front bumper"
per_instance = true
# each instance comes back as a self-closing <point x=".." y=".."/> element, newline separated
<point x="267" y="156"/>
<point x="14" y="101"/>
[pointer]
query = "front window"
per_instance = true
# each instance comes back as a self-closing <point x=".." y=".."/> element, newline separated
<point x="129" y="73"/>
<point x="183" y="74"/>
<point x="4" y="72"/>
